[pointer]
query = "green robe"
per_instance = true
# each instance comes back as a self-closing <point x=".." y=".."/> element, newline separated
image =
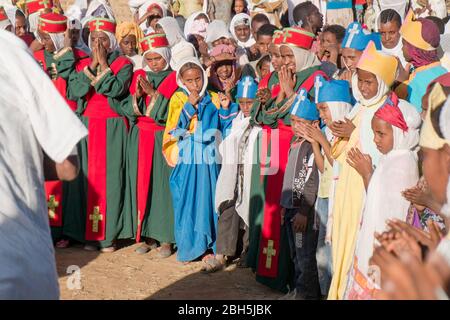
<point x="115" y="88"/>
<point x="269" y="115"/>
<point x="158" y="220"/>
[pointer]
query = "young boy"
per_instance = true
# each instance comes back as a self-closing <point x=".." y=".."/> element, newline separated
<point x="299" y="192"/>
<point x="232" y="199"/>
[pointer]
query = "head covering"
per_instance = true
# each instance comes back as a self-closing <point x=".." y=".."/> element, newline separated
<point x="180" y="52"/>
<point x="378" y="63"/>
<point x="193" y="26"/>
<point x="382" y="90"/>
<point x="356" y="37"/>
<point x="246" y="88"/>
<point x="55" y="25"/>
<point x="156" y="43"/>
<point x="4" y="20"/>
<point x="217" y="50"/>
<point x="304" y="59"/>
<point x="303" y="108"/>
<point x="194" y="61"/>
<point x="172" y="30"/>
<point x="108" y="27"/>
<point x="34" y="6"/>
<point x="296" y="37"/>
<point x="421" y="33"/>
<point x="148" y="5"/>
<point x="11" y="13"/>
<point x="217" y="29"/>
<point x="331" y="91"/>
<point x="238" y="20"/>
<point x="100" y="9"/>
<point x="125" y="29"/>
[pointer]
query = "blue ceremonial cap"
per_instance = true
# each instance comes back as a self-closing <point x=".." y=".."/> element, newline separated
<point x="331" y="91"/>
<point x="304" y="108"/>
<point x="246" y="88"/>
<point x="358" y="38"/>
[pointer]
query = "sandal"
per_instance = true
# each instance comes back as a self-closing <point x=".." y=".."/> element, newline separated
<point x="62" y="244"/>
<point x="211" y="264"/>
<point x="165" y="251"/>
<point x="108" y="249"/>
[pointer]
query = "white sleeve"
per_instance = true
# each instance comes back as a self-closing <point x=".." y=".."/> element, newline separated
<point x="55" y="126"/>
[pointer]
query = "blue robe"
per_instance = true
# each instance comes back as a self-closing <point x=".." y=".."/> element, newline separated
<point x="193" y="180"/>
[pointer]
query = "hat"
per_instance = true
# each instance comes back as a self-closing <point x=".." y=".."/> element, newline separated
<point x="331" y="91"/>
<point x="411" y="31"/>
<point x="152" y="41"/>
<point x="297" y="37"/>
<point x="36" y="5"/>
<point x="246" y="88"/>
<point x="3" y="15"/>
<point x="53" y="23"/>
<point x="277" y="37"/>
<point x="378" y="63"/>
<point x="356" y="37"/>
<point x="102" y="24"/>
<point x="303" y="108"/>
<point x="391" y="113"/>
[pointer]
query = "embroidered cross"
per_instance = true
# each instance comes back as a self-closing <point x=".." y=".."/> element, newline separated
<point x="98" y="24"/>
<point x="45" y="3"/>
<point x="300" y="98"/>
<point x="95" y="217"/>
<point x="287" y="34"/>
<point x="247" y="84"/>
<point x="317" y="85"/>
<point x="52" y="204"/>
<point x="352" y="32"/>
<point x="270" y="252"/>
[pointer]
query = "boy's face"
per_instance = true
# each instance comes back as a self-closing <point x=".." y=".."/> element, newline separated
<point x="383" y="135"/>
<point x="245" y="104"/>
<point x="324" y="113"/>
<point x="298" y="125"/>
<point x="193" y="80"/>
<point x="255" y="27"/>
<point x="351" y="57"/>
<point x="263" y="42"/>
<point x="316" y="20"/>
<point x="21" y="26"/>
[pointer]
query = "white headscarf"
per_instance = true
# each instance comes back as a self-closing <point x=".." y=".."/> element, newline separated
<point x="410" y="139"/>
<point x="338" y="111"/>
<point x="163" y="52"/>
<point x="172" y="30"/>
<point x="113" y="45"/>
<point x="383" y="89"/>
<point x="100" y="8"/>
<point x="205" y="76"/>
<point x="4" y="24"/>
<point x="304" y="59"/>
<point x="11" y="13"/>
<point x="188" y="26"/>
<point x="58" y="40"/>
<point x="237" y="21"/>
<point x="33" y="22"/>
<point x="181" y="51"/>
<point x="143" y="10"/>
<point x="217" y="29"/>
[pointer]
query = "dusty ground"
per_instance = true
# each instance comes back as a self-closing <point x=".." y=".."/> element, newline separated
<point x="127" y="275"/>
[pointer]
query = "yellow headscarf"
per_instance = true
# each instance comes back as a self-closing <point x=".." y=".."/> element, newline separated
<point x="125" y="29"/>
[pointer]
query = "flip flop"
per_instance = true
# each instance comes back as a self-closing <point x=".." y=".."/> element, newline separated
<point x="212" y="265"/>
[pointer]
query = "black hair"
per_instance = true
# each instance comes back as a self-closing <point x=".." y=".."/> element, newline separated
<point x="19" y="13"/>
<point x="337" y="30"/>
<point x="266" y="30"/>
<point x="302" y="11"/>
<point x="233" y="13"/>
<point x="390" y="15"/>
<point x="437" y="21"/>
<point x="260" y="17"/>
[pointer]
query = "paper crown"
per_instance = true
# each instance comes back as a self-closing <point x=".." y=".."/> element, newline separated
<point x="53" y="23"/>
<point x="303" y="108"/>
<point x="298" y="37"/>
<point x="378" y="63"/>
<point x="152" y="41"/>
<point x="391" y="113"/>
<point x="102" y="24"/>
<point x="411" y="31"/>
<point x="246" y="88"/>
<point x="3" y="15"/>
<point x="277" y="37"/>
<point x="331" y="91"/>
<point x="36" y="5"/>
<point x="356" y="37"/>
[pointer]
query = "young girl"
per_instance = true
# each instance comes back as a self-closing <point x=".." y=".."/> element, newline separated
<point x="239" y="6"/>
<point x="148" y="197"/>
<point x="224" y="73"/>
<point x="128" y="36"/>
<point x="396" y="133"/>
<point x="196" y="117"/>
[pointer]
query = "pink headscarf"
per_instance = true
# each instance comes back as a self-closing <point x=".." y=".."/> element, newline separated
<point x="213" y="78"/>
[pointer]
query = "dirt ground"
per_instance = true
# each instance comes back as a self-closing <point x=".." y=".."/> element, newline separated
<point x="127" y="275"/>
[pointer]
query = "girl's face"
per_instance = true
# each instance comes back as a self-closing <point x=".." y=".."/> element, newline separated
<point x="325" y="113"/>
<point x="350" y="58"/>
<point x="367" y="84"/>
<point x="128" y="45"/>
<point x="242" y="32"/>
<point x="239" y="6"/>
<point x="245" y="104"/>
<point x="275" y="57"/>
<point x="21" y="26"/>
<point x="265" y="69"/>
<point x="75" y="35"/>
<point x="155" y="61"/>
<point x="436" y="169"/>
<point x="224" y="71"/>
<point x="159" y="29"/>
<point x="47" y="41"/>
<point x="192" y="79"/>
<point x="288" y="57"/>
<point x="99" y="36"/>
<point x="383" y="135"/>
<point x="220" y="41"/>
